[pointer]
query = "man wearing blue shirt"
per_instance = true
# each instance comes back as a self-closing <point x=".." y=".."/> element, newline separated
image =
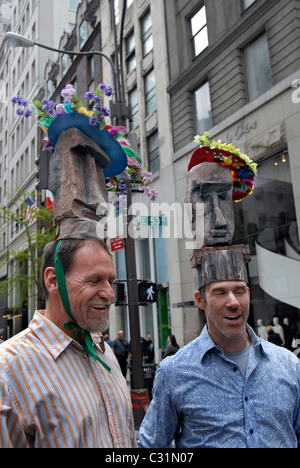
<point x="228" y="388"/>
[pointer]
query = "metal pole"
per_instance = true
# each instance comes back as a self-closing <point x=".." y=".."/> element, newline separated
<point x="133" y="300"/>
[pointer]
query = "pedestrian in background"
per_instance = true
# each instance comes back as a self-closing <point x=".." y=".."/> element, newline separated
<point x="120" y="347"/>
<point x="172" y="347"/>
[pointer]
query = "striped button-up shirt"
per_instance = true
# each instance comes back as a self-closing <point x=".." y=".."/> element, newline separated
<point x="53" y="395"/>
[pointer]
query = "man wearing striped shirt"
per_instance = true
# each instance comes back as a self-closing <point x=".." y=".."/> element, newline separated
<point x="60" y="384"/>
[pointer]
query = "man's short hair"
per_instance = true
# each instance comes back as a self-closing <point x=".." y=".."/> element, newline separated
<point x="202" y="293"/>
<point x="66" y="253"/>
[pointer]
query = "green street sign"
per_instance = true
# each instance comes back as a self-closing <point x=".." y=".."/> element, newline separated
<point x="154" y="221"/>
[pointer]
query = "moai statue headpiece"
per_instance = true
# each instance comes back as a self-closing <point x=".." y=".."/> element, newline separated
<point x="218" y="175"/>
<point x="85" y="153"/>
<point x="83" y="157"/>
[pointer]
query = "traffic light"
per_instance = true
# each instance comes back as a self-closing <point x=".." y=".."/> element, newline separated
<point x="147" y="291"/>
<point x="119" y="289"/>
<point x="42" y="172"/>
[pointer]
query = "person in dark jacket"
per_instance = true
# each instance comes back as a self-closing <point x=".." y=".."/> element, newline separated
<point x="171" y="348"/>
<point x="274" y="337"/>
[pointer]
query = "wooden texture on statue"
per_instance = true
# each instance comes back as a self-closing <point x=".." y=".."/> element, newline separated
<point x="78" y="184"/>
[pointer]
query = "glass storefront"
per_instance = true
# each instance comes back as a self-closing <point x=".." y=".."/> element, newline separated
<point x="266" y="221"/>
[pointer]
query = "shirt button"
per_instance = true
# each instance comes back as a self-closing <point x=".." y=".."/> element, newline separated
<point x="246" y="398"/>
<point x="251" y="431"/>
<point x="234" y="369"/>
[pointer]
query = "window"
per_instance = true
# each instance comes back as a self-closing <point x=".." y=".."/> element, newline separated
<point x="247" y="3"/>
<point x="150" y="93"/>
<point x="117" y="11"/>
<point x="73" y="4"/>
<point x="199" y="32"/>
<point x="153" y="153"/>
<point x="134" y="103"/>
<point x="49" y="85"/>
<point x="82" y="34"/>
<point x="147" y="37"/>
<point x="130" y="53"/>
<point x="258" y="67"/>
<point x="203" y="114"/>
<point x="64" y="65"/>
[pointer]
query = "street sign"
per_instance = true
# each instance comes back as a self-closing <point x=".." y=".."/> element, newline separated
<point x="117" y="244"/>
<point x="154" y="221"/>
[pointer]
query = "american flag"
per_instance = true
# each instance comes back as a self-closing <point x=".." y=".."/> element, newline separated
<point x="49" y="200"/>
<point x="30" y="211"/>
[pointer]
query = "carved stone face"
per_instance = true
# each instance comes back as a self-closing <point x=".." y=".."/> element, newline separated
<point x="211" y="184"/>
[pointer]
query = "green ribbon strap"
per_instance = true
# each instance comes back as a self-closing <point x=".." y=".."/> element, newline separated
<point x="62" y="287"/>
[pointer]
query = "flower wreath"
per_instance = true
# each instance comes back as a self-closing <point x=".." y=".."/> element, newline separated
<point x="243" y="170"/>
<point x="49" y="113"/>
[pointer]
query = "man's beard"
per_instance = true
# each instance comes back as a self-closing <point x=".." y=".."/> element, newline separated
<point x="91" y="323"/>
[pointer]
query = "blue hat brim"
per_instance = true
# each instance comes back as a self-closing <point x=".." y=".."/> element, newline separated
<point x="113" y="149"/>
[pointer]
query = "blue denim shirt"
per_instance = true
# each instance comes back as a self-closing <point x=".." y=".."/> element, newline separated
<point x="201" y="399"/>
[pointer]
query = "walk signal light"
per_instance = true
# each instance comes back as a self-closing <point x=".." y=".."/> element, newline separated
<point x="147" y="291"/>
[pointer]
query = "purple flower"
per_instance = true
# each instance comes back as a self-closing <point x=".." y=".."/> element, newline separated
<point x="108" y="91"/>
<point x="99" y="108"/>
<point x="105" y="112"/>
<point x="59" y="110"/>
<point x="98" y="99"/>
<point x="89" y="95"/>
<point x="151" y="193"/>
<point x="67" y="92"/>
<point x="27" y="113"/>
<point x="93" y="120"/>
<point x="102" y="87"/>
<point x="20" y="111"/>
<point x="18" y="100"/>
<point x="47" y="106"/>
<point x="147" y="177"/>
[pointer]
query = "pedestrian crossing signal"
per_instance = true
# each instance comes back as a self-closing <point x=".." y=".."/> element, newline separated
<point x="147" y="292"/>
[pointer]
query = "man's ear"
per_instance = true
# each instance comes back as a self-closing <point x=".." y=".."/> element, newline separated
<point x="50" y="280"/>
<point x="200" y="301"/>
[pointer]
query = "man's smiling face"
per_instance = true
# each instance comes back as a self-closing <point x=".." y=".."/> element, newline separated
<point x="90" y="287"/>
<point x="226" y="304"/>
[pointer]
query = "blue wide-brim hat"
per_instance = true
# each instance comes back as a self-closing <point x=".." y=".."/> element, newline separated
<point x="113" y="149"/>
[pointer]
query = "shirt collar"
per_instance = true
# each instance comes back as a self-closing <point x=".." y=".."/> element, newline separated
<point x="207" y="344"/>
<point x="54" y="339"/>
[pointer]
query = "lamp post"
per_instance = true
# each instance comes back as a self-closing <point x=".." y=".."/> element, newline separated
<point x="121" y="113"/>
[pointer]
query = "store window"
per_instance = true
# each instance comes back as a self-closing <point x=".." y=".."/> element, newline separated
<point x="203" y="115"/>
<point x="266" y="221"/>
<point x="258" y="67"/>
<point x="199" y="32"/>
